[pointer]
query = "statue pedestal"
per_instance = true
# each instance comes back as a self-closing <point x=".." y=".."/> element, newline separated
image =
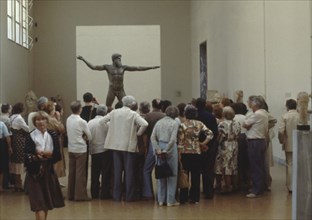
<point x="302" y="175"/>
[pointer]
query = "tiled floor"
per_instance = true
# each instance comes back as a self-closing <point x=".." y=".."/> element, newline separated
<point x="272" y="205"/>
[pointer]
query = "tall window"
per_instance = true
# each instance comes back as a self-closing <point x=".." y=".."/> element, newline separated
<point x="18" y="22"/>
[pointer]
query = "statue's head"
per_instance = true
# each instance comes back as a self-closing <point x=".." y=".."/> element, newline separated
<point x="116" y="58"/>
<point x="303" y="98"/>
<point x="239" y="94"/>
<point x="30" y="101"/>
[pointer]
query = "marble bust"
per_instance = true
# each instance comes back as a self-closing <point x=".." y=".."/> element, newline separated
<point x="239" y="95"/>
<point x="30" y="102"/>
<point x="302" y="107"/>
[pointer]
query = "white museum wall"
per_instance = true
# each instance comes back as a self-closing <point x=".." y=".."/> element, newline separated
<point x="16" y="65"/>
<point x="288" y="46"/>
<point x="261" y="47"/>
<point x="138" y="45"/>
<point x="55" y="51"/>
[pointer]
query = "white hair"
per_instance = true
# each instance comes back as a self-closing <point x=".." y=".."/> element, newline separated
<point x="101" y="110"/>
<point x="128" y="101"/>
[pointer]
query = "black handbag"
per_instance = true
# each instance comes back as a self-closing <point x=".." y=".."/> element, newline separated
<point x="162" y="169"/>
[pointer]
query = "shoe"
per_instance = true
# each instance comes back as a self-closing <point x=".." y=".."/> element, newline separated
<point x="268" y="189"/>
<point x="105" y="197"/>
<point x="209" y="196"/>
<point x="18" y="189"/>
<point x="147" y="198"/>
<point x="290" y="191"/>
<point x="173" y="204"/>
<point x="252" y="195"/>
<point x="161" y="204"/>
<point x="83" y="199"/>
<point x="194" y="202"/>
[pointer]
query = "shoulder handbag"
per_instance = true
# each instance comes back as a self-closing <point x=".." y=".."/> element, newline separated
<point x="183" y="181"/>
<point x="162" y="168"/>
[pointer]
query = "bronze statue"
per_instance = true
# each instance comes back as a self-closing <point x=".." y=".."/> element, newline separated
<point x="115" y="72"/>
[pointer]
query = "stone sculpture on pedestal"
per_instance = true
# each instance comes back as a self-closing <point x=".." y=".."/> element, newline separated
<point x="30" y="102"/>
<point x="239" y="95"/>
<point x="303" y="101"/>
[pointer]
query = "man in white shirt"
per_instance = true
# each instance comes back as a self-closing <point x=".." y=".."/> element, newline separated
<point x="77" y="132"/>
<point x="288" y="123"/>
<point x="257" y="130"/>
<point x="124" y="126"/>
<point x="101" y="159"/>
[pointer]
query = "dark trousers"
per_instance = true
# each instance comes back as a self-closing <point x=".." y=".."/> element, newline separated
<point x="256" y="148"/>
<point x="4" y="160"/>
<point x="191" y="163"/>
<point x="243" y="162"/>
<point x="139" y="163"/>
<point x="208" y="159"/>
<point x="124" y="162"/>
<point x="101" y="165"/>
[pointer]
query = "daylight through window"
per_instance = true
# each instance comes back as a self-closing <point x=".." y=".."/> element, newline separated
<point x="19" y="22"/>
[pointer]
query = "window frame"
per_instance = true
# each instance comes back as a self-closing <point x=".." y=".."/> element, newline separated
<point x="18" y="22"/>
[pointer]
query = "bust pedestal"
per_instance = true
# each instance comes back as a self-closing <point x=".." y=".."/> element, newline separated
<point x="302" y="175"/>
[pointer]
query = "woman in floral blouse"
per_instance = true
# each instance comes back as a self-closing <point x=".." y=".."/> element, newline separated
<point x="190" y="149"/>
<point x="226" y="161"/>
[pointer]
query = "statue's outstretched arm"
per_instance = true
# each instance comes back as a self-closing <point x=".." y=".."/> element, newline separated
<point x="91" y="66"/>
<point x="140" y="68"/>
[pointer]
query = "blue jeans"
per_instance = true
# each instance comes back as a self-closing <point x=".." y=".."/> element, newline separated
<point x="148" y="167"/>
<point x="166" y="187"/>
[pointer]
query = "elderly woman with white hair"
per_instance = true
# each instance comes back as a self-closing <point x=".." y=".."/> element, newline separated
<point x="164" y="138"/>
<point x="226" y="161"/>
<point x="124" y="127"/>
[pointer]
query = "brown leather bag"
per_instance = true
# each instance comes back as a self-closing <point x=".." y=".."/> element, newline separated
<point x="183" y="181"/>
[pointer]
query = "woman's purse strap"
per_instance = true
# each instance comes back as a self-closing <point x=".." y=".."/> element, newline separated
<point x="180" y="165"/>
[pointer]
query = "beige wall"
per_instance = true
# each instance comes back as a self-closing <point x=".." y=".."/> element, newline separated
<point x="55" y="51"/>
<point x="16" y="65"/>
<point x="261" y="47"/>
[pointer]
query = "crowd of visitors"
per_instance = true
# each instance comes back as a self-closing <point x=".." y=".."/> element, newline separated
<point x="226" y="145"/>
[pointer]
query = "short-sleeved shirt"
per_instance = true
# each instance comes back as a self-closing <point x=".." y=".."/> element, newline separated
<point x="3" y="130"/>
<point x="188" y="136"/>
<point x="259" y="122"/>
